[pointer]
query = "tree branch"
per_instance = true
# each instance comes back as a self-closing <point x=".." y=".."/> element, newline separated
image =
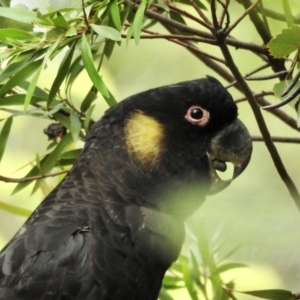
<point x="25" y="179"/>
<point x="259" y="118"/>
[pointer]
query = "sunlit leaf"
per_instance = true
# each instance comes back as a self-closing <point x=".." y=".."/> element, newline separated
<point x="89" y="99"/>
<point x="21" y="76"/>
<point x="4" y="135"/>
<point x="59" y="21"/>
<point x="18" y="99"/>
<point x="163" y="295"/>
<point x="72" y="154"/>
<point x="286" y="42"/>
<point x="61" y="74"/>
<point x="88" y="116"/>
<point x="115" y="14"/>
<point x="16" y="210"/>
<point x="90" y="68"/>
<point x="53" y="157"/>
<point x="16" y="34"/>
<point x="288" y="13"/>
<point x="71" y="32"/>
<point x="274" y="294"/>
<point x="33" y="82"/>
<point x="18" y="14"/>
<point x="188" y="279"/>
<point x="75" y="126"/>
<point x="107" y="32"/>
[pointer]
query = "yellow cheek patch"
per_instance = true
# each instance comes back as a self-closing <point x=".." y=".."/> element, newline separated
<point x="144" y="136"/>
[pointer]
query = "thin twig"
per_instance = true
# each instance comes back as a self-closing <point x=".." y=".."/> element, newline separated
<point x="285" y="101"/>
<point x="237" y="21"/>
<point x="85" y="16"/>
<point x="276" y="64"/>
<point x="25" y="179"/>
<point x="261" y="122"/>
<point x="262" y="94"/>
<point x="201" y="14"/>
<point x="267" y="77"/>
<point x="277" y="139"/>
<point x="224" y="13"/>
<point x="184" y="28"/>
<point x="188" y="15"/>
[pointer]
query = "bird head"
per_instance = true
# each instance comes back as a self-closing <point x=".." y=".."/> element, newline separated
<point x="175" y="134"/>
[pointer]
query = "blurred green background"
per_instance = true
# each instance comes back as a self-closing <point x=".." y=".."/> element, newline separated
<point x="255" y="212"/>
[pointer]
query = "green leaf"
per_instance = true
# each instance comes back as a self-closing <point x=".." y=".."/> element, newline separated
<point x="271" y="294"/>
<point x="16" y="210"/>
<point x="75" y="68"/>
<point x="75" y="126"/>
<point x="136" y="26"/>
<point x="162" y="4"/>
<point x="5" y="3"/>
<point x="286" y="42"/>
<point x="61" y="74"/>
<point x="16" y="34"/>
<point x="90" y="68"/>
<point x="72" y="154"/>
<point x="71" y="31"/>
<point x="288" y="13"/>
<point x="36" y="76"/>
<point x="59" y="21"/>
<point x="18" y="14"/>
<point x="18" y="99"/>
<point x="163" y="295"/>
<point x="88" y="116"/>
<point x="89" y="99"/>
<point x="33" y="172"/>
<point x="4" y="135"/>
<point x="188" y="279"/>
<point x="138" y="21"/>
<point x="53" y="157"/>
<point x="21" y="76"/>
<point x="115" y="14"/>
<point x="107" y="32"/>
<point x="12" y="69"/>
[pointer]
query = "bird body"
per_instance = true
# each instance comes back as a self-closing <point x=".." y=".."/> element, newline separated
<point x="113" y="226"/>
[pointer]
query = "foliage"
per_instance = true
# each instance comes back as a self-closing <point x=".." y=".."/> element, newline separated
<point x="85" y="32"/>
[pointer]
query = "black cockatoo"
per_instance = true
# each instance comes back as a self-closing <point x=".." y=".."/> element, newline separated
<point x="112" y="227"/>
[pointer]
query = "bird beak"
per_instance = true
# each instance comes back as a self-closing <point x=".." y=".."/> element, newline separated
<point x="232" y="144"/>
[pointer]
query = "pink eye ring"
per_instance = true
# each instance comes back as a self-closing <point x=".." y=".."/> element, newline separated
<point x="197" y="115"/>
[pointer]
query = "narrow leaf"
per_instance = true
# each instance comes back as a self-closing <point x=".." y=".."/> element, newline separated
<point x="88" y="116"/>
<point x="59" y="21"/>
<point x="107" y="32"/>
<point x="288" y="13"/>
<point x="61" y="74"/>
<point x="271" y="294"/>
<point x="18" y="99"/>
<point x="15" y="34"/>
<point x="138" y="21"/>
<point x="90" y="68"/>
<point x="115" y="14"/>
<point x="21" y="76"/>
<point x="18" y="14"/>
<point x="36" y="76"/>
<point x="16" y="210"/>
<point x="4" y="135"/>
<point x="53" y="157"/>
<point x="75" y="126"/>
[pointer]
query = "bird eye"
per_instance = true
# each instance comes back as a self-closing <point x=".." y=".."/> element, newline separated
<point x="197" y="115"/>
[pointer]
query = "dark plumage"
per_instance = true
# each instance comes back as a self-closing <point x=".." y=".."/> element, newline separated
<point x="111" y="228"/>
